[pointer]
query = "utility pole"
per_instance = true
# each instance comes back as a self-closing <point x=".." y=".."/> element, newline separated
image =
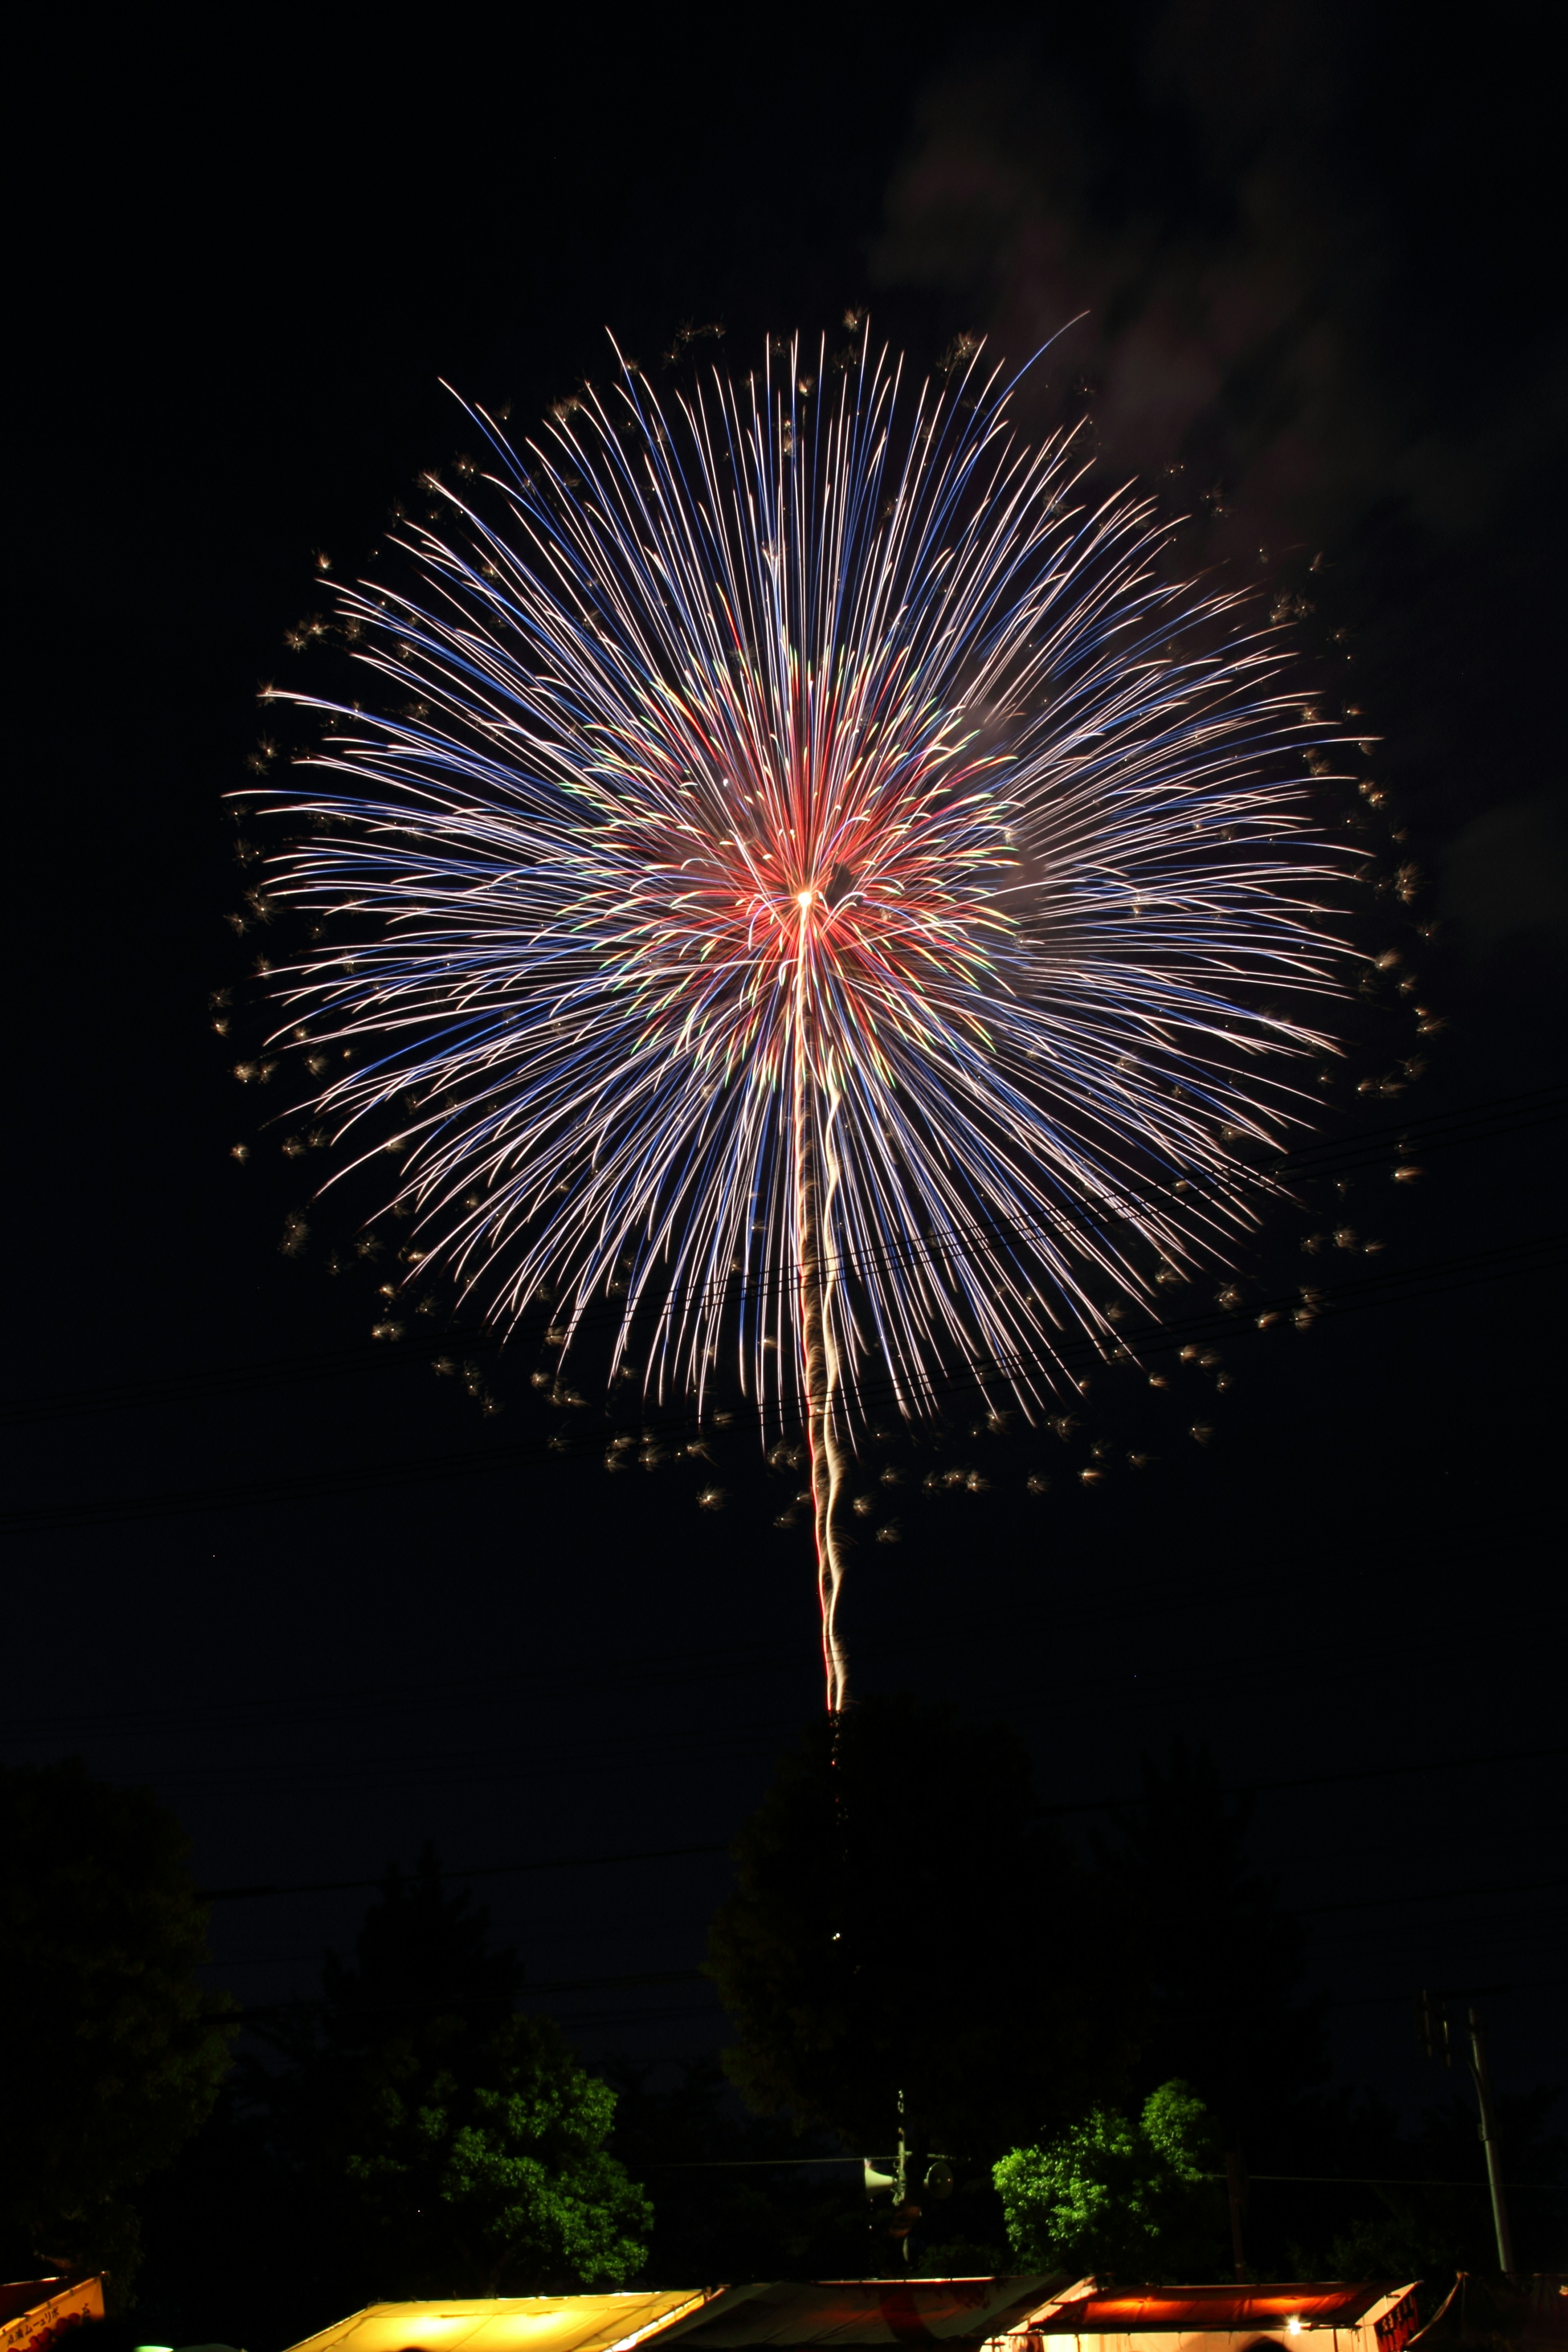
<point x="1489" y="2142"/>
<point x="935" y="2185"/>
<point x="1433" y="2023"/>
<point x="1235" y="2185"/>
<point x="905" y="2214"/>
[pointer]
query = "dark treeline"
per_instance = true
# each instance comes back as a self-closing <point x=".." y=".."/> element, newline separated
<point x="903" y="1922"/>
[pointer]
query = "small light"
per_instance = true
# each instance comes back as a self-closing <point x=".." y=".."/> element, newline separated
<point x="806" y="897"/>
<point x="1293" y="2326"/>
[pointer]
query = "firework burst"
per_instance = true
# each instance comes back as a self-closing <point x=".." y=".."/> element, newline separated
<point x="812" y="877"/>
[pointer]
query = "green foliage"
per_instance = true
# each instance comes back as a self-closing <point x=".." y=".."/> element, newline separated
<point x="110" y="2053"/>
<point x="492" y="2177"/>
<point x="1125" y="2199"/>
<point x="902" y="1922"/>
<point x="452" y="2146"/>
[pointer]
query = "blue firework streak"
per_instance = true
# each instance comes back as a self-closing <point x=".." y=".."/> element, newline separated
<point x="813" y="877"/>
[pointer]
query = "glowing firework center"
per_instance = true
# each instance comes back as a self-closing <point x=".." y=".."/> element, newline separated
<point x="825" y="891"/>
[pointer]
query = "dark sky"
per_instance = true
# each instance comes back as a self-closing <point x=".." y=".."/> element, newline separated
<point x="1314" y="248"/>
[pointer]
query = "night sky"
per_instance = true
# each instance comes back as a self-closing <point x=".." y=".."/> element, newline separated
<point x="1313" y="246"/>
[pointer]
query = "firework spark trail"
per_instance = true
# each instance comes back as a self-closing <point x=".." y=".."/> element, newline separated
<point x="797" y="840"/>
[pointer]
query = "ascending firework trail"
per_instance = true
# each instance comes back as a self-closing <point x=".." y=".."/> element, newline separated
<point x="808" y="873"/>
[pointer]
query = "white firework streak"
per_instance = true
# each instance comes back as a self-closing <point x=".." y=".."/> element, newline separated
<point x="811" y="867"/>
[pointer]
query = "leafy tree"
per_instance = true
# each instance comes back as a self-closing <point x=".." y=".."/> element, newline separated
<point x="494" y="2176"/>
<point x="110" y="2053"/>
<point x="902" y="1923"/>
<point x="451" y="2144"/>
<point x="1126" y="2200"/>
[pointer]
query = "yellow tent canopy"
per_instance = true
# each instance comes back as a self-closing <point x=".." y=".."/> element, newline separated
<point x="526" y="2323"/>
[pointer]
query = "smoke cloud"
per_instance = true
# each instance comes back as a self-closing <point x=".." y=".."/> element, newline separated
<point x="1311" y="308"/>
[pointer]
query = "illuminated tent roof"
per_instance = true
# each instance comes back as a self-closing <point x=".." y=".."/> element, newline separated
<point x="1003" y="2315"/>
<point x="960" y="2313"/>
<point x="1088" y="2310"/>
<point x="533" y="2323"/>
<point x="844" y="2312"/>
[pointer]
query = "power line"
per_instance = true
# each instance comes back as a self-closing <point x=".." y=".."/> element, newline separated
<point x="1378" y="2180"/>
<point x="1309" y="1301"/>
<point x="1430" y="1895"/>
<point x="1474" y="1992"/>
<point x="1090" y="1805"/>
<point x="662" y="1979"/>
<point x="1330" y="1779"/>
<point x="654" y="1669"/>
<point x="1321" y="2180"/>
<point x="238" y="1379"/>
<point x="441" y="2004"/>
<point x="1478" y="1122"/>
<point x="740" y="2163"/>
<point x="679" y="1666"/>
<point x="481" y="1870"/>
<point x="553" y="1757"/>
<point x="1506" y="1114"/>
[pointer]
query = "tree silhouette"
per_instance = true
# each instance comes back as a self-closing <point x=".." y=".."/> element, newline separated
<point x="1220" y="2002"/>
<point x="110" y="2053"/>
<point x="451" y="2145"/>
<point x="902" y="1923"/>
